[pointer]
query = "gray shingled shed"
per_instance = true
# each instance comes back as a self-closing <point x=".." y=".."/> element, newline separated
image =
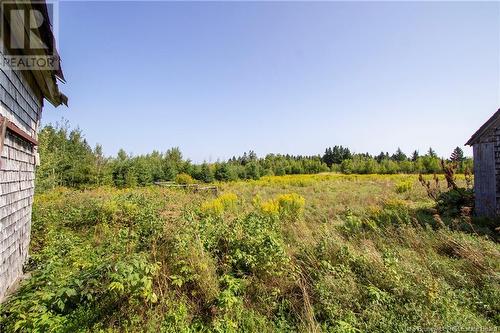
<point x="22" y="93"/>
<point x="486" y="144"/>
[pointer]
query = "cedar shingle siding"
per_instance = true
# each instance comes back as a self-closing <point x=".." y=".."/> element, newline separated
<point x="21" y="106"/>
<point x="486" y="144"/>
<point x="21" y="100"/>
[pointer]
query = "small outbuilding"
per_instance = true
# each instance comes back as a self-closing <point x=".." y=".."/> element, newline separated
<point x="24" y="86"/>
<point x="486" y="145"/>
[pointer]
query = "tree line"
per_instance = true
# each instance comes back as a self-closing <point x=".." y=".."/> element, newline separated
<point x="68" y="160"/>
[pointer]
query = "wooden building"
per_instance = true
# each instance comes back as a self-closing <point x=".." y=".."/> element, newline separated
<point x="22" y="93"/>
<point x="486" y="144"/>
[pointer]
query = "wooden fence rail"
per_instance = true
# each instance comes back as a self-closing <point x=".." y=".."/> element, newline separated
<point x="194" y="187"/>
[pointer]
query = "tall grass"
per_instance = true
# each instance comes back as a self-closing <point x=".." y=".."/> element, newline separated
<point x="308" y="253"/>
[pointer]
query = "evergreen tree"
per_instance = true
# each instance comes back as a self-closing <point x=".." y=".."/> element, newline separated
<point x="102" y="174"/>
<point x="244" y="159"/>
<point x="328" y="157"/>
<point x="122" y="155"/>
<point x="336" y="155"/>
<point x="415" y="156"/>
<point x="252" y="156"/>
<point x="120" y="167"/>
<point x="382" y="156"/>
<point x="131" y="177"/>
<point x="457" y="155"/>
<point x="155" y="161"/>
<point x="67" y="160"/>
<point x="399" y="156"/>
<point x="206" y="173"/>
<point x="252" y="170"/>
<point x="223" y="172"/>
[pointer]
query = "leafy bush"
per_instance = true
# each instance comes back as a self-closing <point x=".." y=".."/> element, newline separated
<point x="453" y="201"/>
<point x="394" y="212"/>
<point x="286" y="206"/>
<point x="256" y="246"/>
<point x="404" y="187"/>
<point x="77" y="300"/>
<point x="184" y="179"/>
<point x="269" y="208"/>
<point x="291" y="205"/>
<point x="219" y="205"/>
<point x="134" y="279"/>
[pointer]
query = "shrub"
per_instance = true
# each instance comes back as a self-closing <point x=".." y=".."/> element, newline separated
<point x="394" y="212"/>
<point x="193" y="268"/>
<point x="71" y="301"/>
<point x="225" y="172"/>
<point x="285" y="206"/>
<point x="184" y="179"/>
<point x="270" y="208"/>
<point x="255" y="246"/>
<point x="452" y="202"/>
<point x="228" y="200"/>
<point x="291" y="205"/>
<point x="220" y="204"/>
<point x="455" y="199"/>
<point x="404" y="186"/>
<point x="347" y="167"/>
<point x="133" y="278"/>
<point x="352" y="223"/>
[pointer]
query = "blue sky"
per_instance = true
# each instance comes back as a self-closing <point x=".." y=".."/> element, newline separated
<point x="220" y="78"/>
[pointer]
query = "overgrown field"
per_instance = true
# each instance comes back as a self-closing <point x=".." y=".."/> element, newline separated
<point x="331" y="253"/>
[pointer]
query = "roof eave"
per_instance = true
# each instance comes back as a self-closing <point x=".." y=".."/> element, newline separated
<point x="45" y="79"/>
<point x="483" y="129"/>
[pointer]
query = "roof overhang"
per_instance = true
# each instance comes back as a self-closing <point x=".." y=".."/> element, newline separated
<point x="476" y="138"/>
<point x="45" y="79"/>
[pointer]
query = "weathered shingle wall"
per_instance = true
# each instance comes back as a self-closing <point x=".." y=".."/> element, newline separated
<point x="487" y="173"/>
<point x="496" y="142"/>
<point x="484" y="179"/>
<point x="18" y="101"/>
<point x="17" y="189"/>
<point x="19" y="105"/>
